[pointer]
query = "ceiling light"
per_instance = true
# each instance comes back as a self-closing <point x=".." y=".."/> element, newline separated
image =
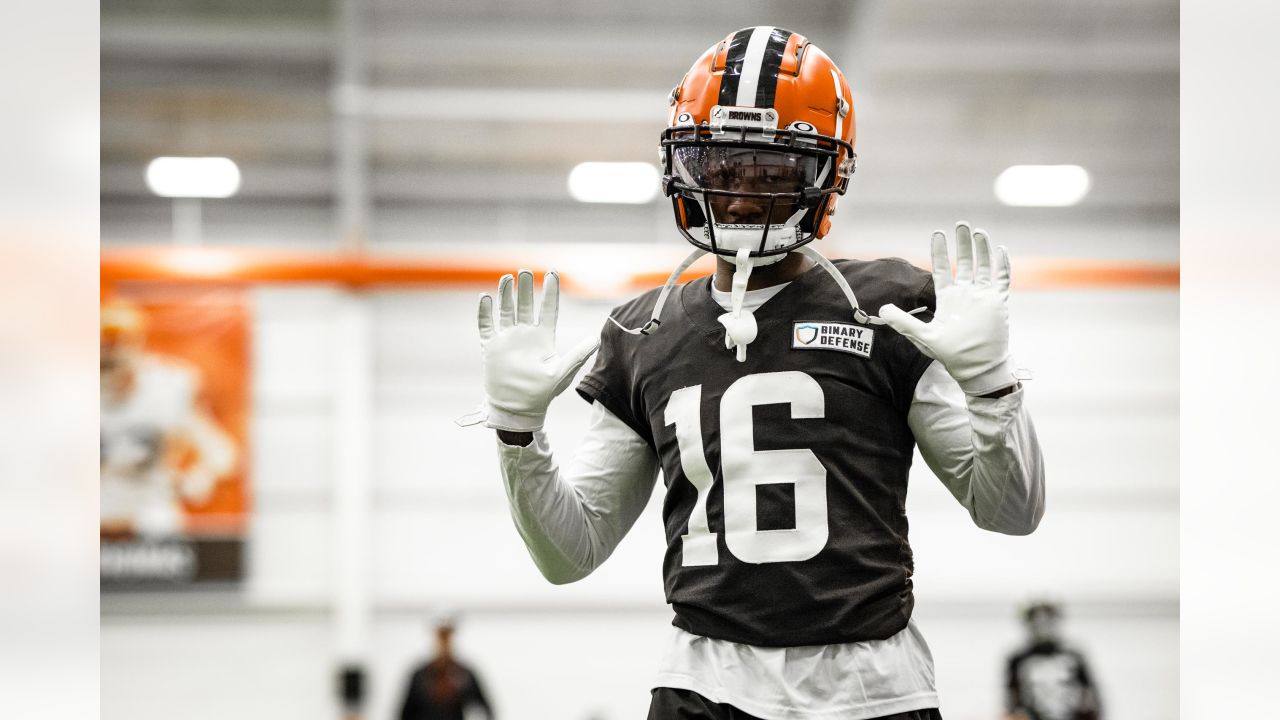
<point x="1042" y="185"/>
<point x="193" y="177"/>
<point x="632" y="183"/>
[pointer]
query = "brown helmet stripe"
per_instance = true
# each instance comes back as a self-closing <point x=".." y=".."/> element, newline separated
<point x="733" y="66"/>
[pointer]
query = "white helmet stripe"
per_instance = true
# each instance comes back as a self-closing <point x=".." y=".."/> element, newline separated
<point x="751" y="64"/>
<point x="840" y="101"/>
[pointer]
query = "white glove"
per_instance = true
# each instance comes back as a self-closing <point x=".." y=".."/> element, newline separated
<point x="969" y="334"/>
<point x="522" y="370"/>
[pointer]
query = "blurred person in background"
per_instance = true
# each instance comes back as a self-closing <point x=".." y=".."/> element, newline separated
<point x="783" y="416"/>
<point x="1046" y="680"/>
<point x="159" y="446"/>
<point x="444" y="688"/>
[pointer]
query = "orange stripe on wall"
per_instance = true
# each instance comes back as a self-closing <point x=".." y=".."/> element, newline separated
<point x="221" y="266"/>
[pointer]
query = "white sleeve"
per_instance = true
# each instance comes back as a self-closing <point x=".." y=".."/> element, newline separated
<point x="572" y="523"/>
<point x="984" y="450"/>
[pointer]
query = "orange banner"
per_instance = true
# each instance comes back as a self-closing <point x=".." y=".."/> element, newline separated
<point x="174" y="434"/>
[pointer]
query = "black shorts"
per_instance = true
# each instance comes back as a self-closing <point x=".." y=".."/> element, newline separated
<point x="673" y="704"/>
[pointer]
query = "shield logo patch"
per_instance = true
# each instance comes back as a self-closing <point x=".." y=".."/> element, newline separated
<point x="806" y="334"/>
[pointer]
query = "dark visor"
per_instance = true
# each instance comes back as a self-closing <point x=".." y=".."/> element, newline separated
<point x="752" y="170"/>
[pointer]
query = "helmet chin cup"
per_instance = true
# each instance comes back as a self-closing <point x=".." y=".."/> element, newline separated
<point x="729" y="239"/>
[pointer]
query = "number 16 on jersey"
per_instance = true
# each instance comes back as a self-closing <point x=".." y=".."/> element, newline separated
<point x="744" y="468"/>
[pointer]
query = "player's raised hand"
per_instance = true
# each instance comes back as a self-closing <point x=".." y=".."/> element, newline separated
<point x="969" y="333"/>
<point x="523" y="371"/>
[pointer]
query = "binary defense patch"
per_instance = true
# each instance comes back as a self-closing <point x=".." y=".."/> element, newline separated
<point x="843" y="337"/>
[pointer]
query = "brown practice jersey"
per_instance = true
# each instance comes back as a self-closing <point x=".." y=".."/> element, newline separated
<point x="1047" y="681"/>
<point x="786" y="474"/>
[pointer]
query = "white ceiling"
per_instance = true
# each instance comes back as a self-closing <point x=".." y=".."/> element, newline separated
<point x="473" y="112"/>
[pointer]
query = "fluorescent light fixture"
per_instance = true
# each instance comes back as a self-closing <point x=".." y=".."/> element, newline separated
<point x="193" y="177"/>
<point x="631" y="183"/>
<point x="1042" y="185"/>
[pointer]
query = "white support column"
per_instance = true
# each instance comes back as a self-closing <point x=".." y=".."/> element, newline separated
<point x="353" y="401"/>
<point x="352" y="482"/>
<point x="187" y="221"/>
<point x="350" y="134"/>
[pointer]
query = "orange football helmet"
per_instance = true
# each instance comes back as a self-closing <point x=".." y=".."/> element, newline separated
<point x="122" y="333"/>
<point x="765" y="117"/>
<point x="757" y="150"/>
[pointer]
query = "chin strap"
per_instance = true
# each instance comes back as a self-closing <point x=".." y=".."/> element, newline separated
<point x="662" y="296"/>
<point x="739" y="325"/>
<point x="858" y="314"/>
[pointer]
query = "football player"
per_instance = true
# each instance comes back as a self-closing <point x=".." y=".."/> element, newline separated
<point x="782" y="414"/>
<point x="1046" y="680"/>
<point x="159" y="445"/>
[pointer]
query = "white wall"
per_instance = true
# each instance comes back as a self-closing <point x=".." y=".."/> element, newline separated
<point x="1104" y="399"/>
